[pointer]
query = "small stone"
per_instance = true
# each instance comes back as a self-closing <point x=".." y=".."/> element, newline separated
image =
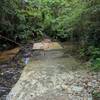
<point x="94" y="83"/>
<point x="90" y="84"/>
<point x="77" y="88"/>
<point x="86" y="81"/>
<point x="64" y="87"/>
<point x="70" y="91"/>
<point x="2" y="73"/>
<point x="85" y="98"/>
<point x="90" y="97"/>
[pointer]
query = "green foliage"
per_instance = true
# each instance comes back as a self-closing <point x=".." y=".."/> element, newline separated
<point x="95" y="58"/>
<point x="57" y="18"/>
<point x="96" y="64"/>
<point x="96" y="95"/>
<point x="75" y="20"/>
<point x="93" y="54"/>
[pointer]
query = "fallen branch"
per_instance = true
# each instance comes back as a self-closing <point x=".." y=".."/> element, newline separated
<point x="10" y="40"/>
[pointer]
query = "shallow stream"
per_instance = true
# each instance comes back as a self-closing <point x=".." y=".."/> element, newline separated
<point x="54" y="75"/>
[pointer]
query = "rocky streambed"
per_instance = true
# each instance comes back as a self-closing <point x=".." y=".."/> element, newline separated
<point x="11" y="66"/>
<point x="49" y="75"/>
<point x="55" y="76"/>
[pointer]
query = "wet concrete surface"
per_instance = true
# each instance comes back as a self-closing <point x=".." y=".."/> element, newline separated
<point x="51" y="76"/>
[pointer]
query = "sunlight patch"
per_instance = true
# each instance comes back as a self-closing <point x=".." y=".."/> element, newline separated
<point x="47" y="46"/>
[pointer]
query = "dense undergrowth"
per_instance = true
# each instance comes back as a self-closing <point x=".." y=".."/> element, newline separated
<point x="65" y="20"/>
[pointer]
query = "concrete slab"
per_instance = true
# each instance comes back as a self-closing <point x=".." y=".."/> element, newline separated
<point x="47" y="46"/>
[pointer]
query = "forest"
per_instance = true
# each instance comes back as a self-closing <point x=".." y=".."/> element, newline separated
<point x="64" y="20"/>
<point x="72" y="21"/>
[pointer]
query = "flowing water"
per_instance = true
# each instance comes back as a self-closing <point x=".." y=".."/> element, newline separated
<point x="53" y="75"/>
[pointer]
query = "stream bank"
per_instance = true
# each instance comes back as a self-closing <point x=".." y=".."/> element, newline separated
<point x="11" y="66"/>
